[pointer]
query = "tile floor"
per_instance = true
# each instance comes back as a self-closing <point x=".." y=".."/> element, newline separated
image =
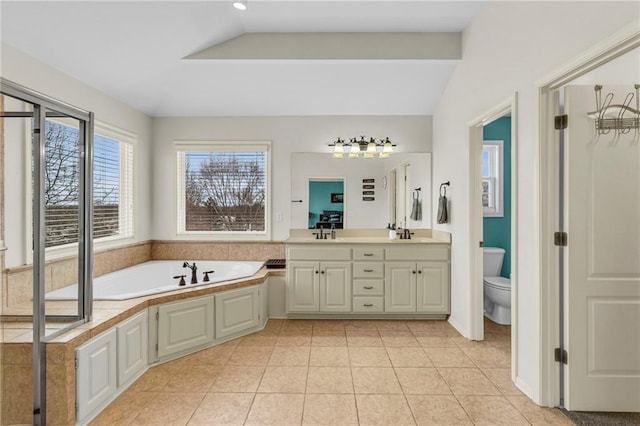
<point x="333" y="372"/>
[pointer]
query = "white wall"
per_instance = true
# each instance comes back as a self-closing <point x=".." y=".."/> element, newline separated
<point x="27" y="71"/>
<point x="288" y="134"/>
<point x="507" y="48"/>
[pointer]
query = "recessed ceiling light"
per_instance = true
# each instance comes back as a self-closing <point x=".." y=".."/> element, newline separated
<point x="241" y="4"/>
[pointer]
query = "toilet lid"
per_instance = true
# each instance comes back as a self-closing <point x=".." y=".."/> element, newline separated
<point x="499" y="282"/>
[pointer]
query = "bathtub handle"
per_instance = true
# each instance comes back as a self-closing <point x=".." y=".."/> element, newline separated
<point x="206" y="275"/>
<point x="182" y="281"/>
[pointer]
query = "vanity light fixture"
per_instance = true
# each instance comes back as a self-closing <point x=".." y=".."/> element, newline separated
<point x="361" y="148"/>
<point x="241" y="4"/>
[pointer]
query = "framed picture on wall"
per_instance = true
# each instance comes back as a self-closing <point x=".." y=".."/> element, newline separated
<point x="337" y="197"/>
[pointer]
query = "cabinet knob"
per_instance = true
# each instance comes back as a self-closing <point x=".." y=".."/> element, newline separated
<point x="316" y="272"/>
<point x="419" y="271"/>
<point x="413" y="272"/>
<point x="322" y="272"/>
<point x="368" y="305"/>
<point x="368" y="288"/>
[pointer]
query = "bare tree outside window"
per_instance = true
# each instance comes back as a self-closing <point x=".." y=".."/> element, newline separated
<point x="62" y="182"/>
<point x="225" y="191"/>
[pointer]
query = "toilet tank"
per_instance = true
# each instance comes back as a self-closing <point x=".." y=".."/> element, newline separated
<point x="492" y="261"/>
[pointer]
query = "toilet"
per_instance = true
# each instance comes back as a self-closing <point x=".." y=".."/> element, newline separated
<point x="497" y="290"/>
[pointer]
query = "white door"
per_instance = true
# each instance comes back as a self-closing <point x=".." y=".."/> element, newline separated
<point x="132" y="348"/>
<point x="185" y="325"/>
<point x="335" y="287"/>
<point x="602" y="282"/>
<point x="237" y="311"/>
<point x="432" y="288"/>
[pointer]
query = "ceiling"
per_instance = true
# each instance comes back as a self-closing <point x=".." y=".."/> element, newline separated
<point x="134" y="51"/>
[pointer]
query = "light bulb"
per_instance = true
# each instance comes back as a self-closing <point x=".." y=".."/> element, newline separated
<point x="241" y="4"/>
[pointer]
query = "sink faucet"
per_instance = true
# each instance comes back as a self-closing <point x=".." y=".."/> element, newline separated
<point x="194" y="271"/>
<point x="320" y="235"/>
<point x="406" y="234"/>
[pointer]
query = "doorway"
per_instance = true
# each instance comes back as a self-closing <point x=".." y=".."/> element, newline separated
<point x="326" y="203"/>
<point x="488" y="197"/>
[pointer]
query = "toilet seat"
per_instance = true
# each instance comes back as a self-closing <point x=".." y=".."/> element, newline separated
<point x="500" y="283"/>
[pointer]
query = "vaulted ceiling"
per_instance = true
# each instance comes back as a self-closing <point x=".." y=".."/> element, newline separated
<point x="137" y="52"/>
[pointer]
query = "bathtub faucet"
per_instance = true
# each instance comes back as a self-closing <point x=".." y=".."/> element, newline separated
<point x="194" y="271"/>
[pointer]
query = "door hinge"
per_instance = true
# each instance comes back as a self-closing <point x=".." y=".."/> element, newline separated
<point x="560" y="355"/>
<point x="156" y="348"/>
<point x="77" y="409"/>
<point x="75" y="363"/>
<point x="481" y="244"/>
<point x="561" y="122"/>
<point x="158" y="316"/>
<point x="560" y="239"/>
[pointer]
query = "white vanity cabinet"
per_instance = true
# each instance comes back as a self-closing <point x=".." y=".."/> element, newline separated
<point x="185" y="325"/>
<point x="237" y="311"/>
<point x="396" y="277"/>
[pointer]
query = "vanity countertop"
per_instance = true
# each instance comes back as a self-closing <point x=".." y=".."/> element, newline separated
<point x="419" y="236"/>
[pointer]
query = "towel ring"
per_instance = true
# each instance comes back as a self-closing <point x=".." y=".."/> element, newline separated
<point x="443" y="188"/>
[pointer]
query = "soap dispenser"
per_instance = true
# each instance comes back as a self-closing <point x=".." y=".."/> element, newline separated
<point x="392" y="231"/>
<point x="333" y="231"/>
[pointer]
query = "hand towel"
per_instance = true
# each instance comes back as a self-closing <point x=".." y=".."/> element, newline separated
<point x="416" y="210"/>
<point x="443" y="214"/>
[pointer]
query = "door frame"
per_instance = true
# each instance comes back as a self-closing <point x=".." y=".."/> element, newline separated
<point x="476" y="214"/>
<point x="547" y="165"/>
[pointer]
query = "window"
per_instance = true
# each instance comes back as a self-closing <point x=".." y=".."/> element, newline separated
<point x="112" y="184"/>
<point x="492" y="178"/>
<point x="223" y="189"/>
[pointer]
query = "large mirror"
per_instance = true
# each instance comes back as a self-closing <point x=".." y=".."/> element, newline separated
<point x="360" y="193"/>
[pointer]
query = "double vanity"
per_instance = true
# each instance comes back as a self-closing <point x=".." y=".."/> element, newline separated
<point x="365" y="274"/>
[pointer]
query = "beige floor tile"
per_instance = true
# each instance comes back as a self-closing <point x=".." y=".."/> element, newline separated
<point x="329" y="357"/>
<point x="250" y="355"/>
<point x="283" y="380"/>
<point x="441" y="341"/>
<point x="276" y="409"/>
<point x="222" y="409"/>
<point x="405" y="341"/>
<point x="384" y="410"/>
<point x="124" y="409"/>
<point x="437" y="410"/>
<point x="361" y="325"/>
<point x="491" y="410"/>
<point x="370" y="341"/>
<point x="492" y="327"/>
<point x="487" y="356"/>
<point x="294" y="324"/>
<point x="408" y="357"/>
<point x="169" y="408"/>
<point x="395" y="333"/>
<point x="537" y="415"/>
<point x="391" y="325"/>
<point x="195" y="378"/>
<point x="155" y="378"/>
<point x="330" y="410"/>
<point x="376" y="380"/>
<point x="293" y="356"/>
<point x="366" y="332"/>
<point x="422" y="381"/>
<point x="328" y="341"/>
<point x="448" y="357"/>
<point x="238" y="379"/>
<point x="432" y="326"/>
<point x="501" y="378"/>
<point x="369" y="357"/>
<point x="328" y="325"/>
<point x="263" y="340"/>
<point x="329" y="380"/>
<point x="293" y="340"/>
<point x="328" y="332"/>
<point x="468" y="381"/>
<point x="217" y="355"/>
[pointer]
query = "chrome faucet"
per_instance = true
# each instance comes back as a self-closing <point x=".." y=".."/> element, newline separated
<point x="194" y="271"/>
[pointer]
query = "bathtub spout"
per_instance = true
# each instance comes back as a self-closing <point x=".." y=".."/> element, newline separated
<point x="194" y="271"/>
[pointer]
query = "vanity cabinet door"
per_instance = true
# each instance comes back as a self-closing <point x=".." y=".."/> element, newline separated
<point x="96" y="381"/>
<point x="237" y="311"/>
<point x="132" y="348"/>
<point x="303" y="282"/>
<point x="433" y="288"/>
<point x="185" y="325"/>
<point x="335" y="287"/>
<point x="400" y="287"/>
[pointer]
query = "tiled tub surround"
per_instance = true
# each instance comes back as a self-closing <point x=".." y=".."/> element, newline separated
<point x="18" y="281"/>
<point x="17" y="354"/>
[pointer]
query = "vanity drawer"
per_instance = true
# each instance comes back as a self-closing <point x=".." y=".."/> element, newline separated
<point x="361" y="253"/>
<point x="368" y="269"/>
<point x="319" y="253"/>
<point x="418" y="252"/>
<point x="368" y="304"/>
<point x="363" y="287"/>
